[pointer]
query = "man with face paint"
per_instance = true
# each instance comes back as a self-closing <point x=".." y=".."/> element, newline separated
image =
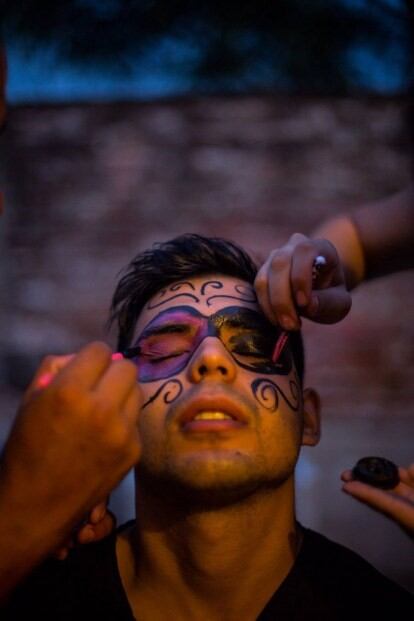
<point x="223" y="417"/>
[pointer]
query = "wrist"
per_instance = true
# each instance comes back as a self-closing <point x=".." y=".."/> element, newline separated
<point x="342" y="232"/>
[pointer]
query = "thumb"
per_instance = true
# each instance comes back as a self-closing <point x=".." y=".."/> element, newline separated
<point x="328" y="305"/>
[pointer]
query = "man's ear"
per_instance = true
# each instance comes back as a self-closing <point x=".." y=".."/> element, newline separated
<point x="311" y="417"/>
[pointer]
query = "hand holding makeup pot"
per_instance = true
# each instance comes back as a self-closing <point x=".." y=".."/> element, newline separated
<point x="74" y="438"/>
<point x="396" y="502"/>
<point x="287" y="286"/>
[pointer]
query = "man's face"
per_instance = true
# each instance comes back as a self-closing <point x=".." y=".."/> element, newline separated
<point x="220" y="415"/>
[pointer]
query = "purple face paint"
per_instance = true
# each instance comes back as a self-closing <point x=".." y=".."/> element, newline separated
<point x="168" y="342"/>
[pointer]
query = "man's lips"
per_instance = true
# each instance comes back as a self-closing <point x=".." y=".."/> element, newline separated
<point x="238" y="416"/>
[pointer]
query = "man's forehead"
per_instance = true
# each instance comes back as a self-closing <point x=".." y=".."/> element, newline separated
<point x="207" y="294"/>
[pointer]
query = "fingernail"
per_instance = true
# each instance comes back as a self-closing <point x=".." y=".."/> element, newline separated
<point x="288" y="322"/>
<point x="301" y="298"/>
<point x="117" y="356"/>
<point x="44" y="380"/>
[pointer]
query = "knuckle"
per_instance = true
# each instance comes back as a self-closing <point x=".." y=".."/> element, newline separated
<point x="280" y="259"/>
<point x="297" y="238"/>
<point x="103" y="412"/>
<point x="98" y="348"/>
<point x="67" y="395"/>
<point x="306" y="247"/>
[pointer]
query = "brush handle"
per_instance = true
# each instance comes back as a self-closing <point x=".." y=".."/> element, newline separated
<point x="318" y="263"/>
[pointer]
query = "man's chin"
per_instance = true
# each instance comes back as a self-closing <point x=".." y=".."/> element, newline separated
<point x="208" y="483"/>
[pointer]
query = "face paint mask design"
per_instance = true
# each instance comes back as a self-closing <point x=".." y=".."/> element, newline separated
<point x="168" y="342"/>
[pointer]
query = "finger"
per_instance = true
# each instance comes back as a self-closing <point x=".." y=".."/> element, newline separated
<point x="95" y="532"/>
<point x="405" y="491"/>
<point x="410" y="471"/>
<point x="331" y="273"/>
<point x="347" y="475"/>
<point x="404" y="475"/>
<point x="86" y="368"/>
<point x="328" y="305"/>
<point x="262" y="291"/>
<point x="132" y="406"/>
<point x="273" y="290"/>
<point x="46" y="372"/>
<point x="97" y="513"/>
<point x="279" y="299"/>
<point x="115" y="386"/>
<point x="386" y="502"/>
<point x="301" y="272"/>
<point x="303" y="257"/>
<point x="282" y="304"/>
<point x="402" y="489"/>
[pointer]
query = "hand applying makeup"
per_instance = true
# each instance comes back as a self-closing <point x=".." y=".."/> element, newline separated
<point x="74" y="438"/>
<point x="286" y="289"/>
<point x="100" y="521"/>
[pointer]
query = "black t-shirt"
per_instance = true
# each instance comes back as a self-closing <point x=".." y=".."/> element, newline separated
<point x="327" y="582"/>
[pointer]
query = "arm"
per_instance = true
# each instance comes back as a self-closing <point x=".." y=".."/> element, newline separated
<point x="372" y="241"/>
<point x="70" y="445"/>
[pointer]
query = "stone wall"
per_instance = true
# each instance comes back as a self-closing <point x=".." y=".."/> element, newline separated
<point x="88" y="186"/>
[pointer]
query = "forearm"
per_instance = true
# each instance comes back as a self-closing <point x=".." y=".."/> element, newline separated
<point x="374" y="240"/>
<point x="27" y="536"/>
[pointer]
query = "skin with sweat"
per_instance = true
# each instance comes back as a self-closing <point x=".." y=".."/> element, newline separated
<point x="221" y="431"/>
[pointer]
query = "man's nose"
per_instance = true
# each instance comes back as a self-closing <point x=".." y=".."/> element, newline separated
<point x="211" y="360"/>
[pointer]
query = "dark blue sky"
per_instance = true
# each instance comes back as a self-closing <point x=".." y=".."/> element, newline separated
<point x="36" y="75"/>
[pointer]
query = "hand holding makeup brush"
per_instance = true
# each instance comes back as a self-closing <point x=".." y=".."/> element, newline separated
<point x="74" y="438"/>
<point x="294" y="281"/>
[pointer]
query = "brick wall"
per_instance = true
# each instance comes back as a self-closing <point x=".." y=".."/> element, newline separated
<point x="88" y="186"/>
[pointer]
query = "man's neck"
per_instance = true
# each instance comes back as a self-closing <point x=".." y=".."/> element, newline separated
<point x="213" y="564"/>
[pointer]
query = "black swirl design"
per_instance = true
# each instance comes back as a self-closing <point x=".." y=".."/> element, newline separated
<point x="180" y="284"/>
<point x="173" y="390"/>
<point x="214" y="284"/>
<point x="246" y="294"/>
<point x="173" y="297"/>
<point x="266" y="393"/>
<point x="175" y="287"/>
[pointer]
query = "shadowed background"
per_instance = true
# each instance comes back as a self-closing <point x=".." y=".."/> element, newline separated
<point x="229" y="138"/>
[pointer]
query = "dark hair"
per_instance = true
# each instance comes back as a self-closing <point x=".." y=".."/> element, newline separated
<point x="186" y="256"/>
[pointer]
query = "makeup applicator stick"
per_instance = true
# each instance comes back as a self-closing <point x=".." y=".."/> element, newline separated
<point x="318" y="263"/>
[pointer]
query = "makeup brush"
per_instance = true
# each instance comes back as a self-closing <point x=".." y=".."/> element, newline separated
<point x="318" y="263"/>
